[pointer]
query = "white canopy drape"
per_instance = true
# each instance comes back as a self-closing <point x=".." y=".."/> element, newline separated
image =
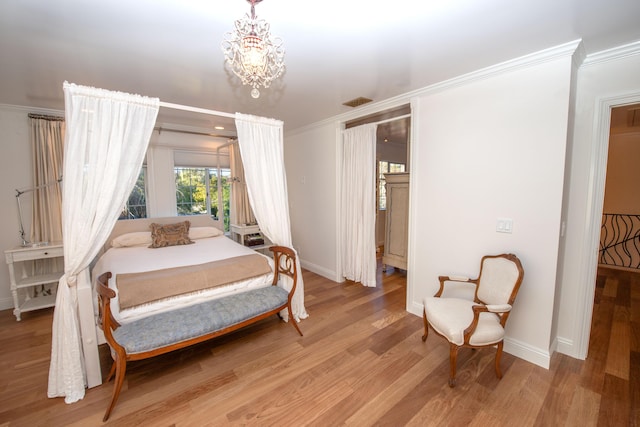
<point x="359" y="204"/>
<point x="261" y="147"/>
<point x="106" y="139"/>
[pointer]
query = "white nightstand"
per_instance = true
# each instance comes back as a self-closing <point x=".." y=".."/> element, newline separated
<point x="239" y="231"/>
<point x="22" y="285"/>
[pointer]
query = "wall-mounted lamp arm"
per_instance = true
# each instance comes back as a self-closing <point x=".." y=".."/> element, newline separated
<point x="20" y="192"/>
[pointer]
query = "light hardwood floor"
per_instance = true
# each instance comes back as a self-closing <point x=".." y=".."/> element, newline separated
<point x="361" y="362"/>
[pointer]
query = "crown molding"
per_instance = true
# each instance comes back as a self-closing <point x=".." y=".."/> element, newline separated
<point x="613" y="54"/>
<point x="540" y="57"/>
<point x="35" y="110"/>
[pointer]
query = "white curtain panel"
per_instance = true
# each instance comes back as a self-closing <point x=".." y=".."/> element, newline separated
<point x="241" y="212"/>
<point x="106" y="139"/>
<point x="359" y="204"/>
<point x="47" y="143"/>
<point x="261" y="147"/>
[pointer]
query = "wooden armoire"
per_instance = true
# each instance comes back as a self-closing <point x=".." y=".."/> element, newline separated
<point x="397" y="220"/>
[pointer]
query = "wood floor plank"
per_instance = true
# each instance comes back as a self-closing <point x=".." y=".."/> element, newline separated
<point x="610" y="287"/>
<point x="532" y="385"/>
<point x="619" y="344"/>
<point x="584" y="408"/>
<point x="371" y="411"/>
<point x="361" y="362"/>
<point x="458" y="405"/>
<point x="634" y="389"/>
<point x="615" y="402"/>
<point x="556" y="406"/>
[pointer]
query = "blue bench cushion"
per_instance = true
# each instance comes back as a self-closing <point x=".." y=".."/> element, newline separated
<point x="164" y="329"/>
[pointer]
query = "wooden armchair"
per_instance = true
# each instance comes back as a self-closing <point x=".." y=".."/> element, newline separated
<point x="477" y="321"/>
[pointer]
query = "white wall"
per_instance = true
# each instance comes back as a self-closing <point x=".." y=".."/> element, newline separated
<point x="161" y="183"/>
<point x="484" y="150"/>
<point x="15" y="172"/>
<point x="311" y="164"/>
<point x="622" y="193"/>
<point x="612" y="75"/>
<point x="486" y="147"/>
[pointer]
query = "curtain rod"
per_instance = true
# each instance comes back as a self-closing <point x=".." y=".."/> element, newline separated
<point x="196" y="109"/>
<point x="225" y="145"/>
<point x="391" y="119"/>
<point x="45" y="117"/>
<point x="160" y="129"/>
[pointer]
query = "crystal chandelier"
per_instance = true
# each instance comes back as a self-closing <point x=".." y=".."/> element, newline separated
<point x="252" y="53"/>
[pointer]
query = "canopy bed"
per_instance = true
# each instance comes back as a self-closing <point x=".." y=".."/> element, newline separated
<point x="154" y="297"/>
<point x="106" y="139"/>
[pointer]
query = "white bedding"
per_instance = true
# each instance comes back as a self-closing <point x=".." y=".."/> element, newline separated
<point x="141" y="258"/>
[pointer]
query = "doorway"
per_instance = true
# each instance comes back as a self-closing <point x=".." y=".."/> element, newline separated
<point x="620" y="236"/>
<point x="393" y="130"/>
<point x="599" y="165"/>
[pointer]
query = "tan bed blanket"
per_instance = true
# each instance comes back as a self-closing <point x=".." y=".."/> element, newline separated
<point x="136" y="289"/>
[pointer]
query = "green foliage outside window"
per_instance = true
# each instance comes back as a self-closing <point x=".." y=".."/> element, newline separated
<point x="192" y="187"/>
<point x="136" y="205"/>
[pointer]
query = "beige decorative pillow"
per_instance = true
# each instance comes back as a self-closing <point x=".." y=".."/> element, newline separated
<point x="170" y="234"/>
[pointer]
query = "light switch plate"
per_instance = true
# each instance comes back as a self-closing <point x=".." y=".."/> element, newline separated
<point x="504" y="225"/>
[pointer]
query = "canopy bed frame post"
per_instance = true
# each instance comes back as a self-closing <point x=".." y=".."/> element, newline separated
<point x="88" y="327"/>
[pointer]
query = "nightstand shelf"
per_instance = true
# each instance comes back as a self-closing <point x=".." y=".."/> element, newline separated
<point x="23" y="283"/>
<point x="37" y="303"/>
<point x="41" y="279"/>
<point x="239" y="233"/>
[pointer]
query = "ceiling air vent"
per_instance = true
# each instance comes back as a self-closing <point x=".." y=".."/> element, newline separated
<point x="357" y="102"/>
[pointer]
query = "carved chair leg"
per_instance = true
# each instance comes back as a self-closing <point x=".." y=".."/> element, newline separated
<point x="453" y="359"/>
<point x="121" y="368"/>
<point x="498" y="357"/>
<point x="426" y="326"/>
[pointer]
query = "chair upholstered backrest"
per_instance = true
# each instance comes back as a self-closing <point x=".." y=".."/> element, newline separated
<point x="499" y="276"/>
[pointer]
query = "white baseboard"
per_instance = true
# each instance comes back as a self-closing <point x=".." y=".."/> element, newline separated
<point x="415" y="308"/>
<point x="322" y="271"/>
<point x="566" y="346"/>
<point x="524" y="351"/>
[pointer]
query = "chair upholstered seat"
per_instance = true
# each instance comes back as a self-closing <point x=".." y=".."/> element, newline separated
<point x="451" y="316"/>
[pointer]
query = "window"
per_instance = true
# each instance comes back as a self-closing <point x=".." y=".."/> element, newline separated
<point x="136" y="205"/>
<point x="386" y="167"/>
<point x="197" y="192"/>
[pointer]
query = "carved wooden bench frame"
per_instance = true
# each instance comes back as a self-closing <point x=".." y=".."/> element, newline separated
<point x="285" y="263"/>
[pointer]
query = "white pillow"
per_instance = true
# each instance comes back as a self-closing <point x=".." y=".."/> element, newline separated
<point x="143" y="238"/>
<point x="204" y="232"/>
<point x="137" y="238"/>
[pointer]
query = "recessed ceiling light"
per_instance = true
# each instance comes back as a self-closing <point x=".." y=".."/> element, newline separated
<point x="219" y="127"/>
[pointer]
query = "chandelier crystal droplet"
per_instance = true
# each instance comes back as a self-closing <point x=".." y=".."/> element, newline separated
<point x="252" y="53"/>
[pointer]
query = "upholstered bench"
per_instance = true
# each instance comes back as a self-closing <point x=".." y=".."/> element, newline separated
<point x="172" y="330"/>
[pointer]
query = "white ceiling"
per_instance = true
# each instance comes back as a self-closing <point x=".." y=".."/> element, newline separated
<point x="336" y="50"/>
